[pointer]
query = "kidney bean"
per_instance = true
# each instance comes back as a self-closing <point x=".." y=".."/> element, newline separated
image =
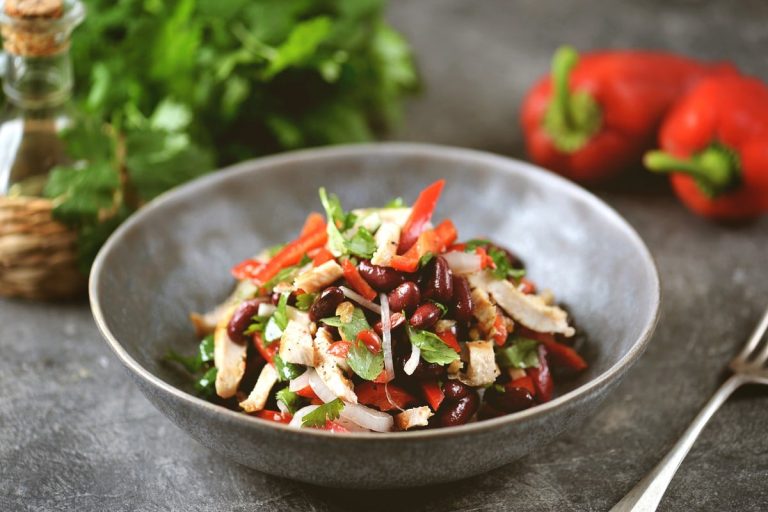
<point x="383" y="279"/>
<point x="463" y="305"/>
<point x="395" y="321"/>
<point x="425" y="370"/>
<point x="276" y="298"/>
<point x="512" y="399"/>
<point x="325" y="304"/>
<point x="405" y="297"/>
<point x="241" y="319"/>
<point x="437" y="281"/>
<point x="458" y="412"/>
<point x="455" y="390"/>
<point x="425" y="316"/>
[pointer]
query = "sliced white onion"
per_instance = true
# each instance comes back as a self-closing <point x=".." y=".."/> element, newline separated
<point x="283" y="408"/>
<point x="266" y="309"/>
<point x="389" y="398"/>
<point x="351" y="294"/>
<point x="299" y="416"/>
<point x="300" y="382"/>
<point x="322" y="391"/>
<point x="410" y="365"/>
<point x="386" y="341"/>
<point x="352" y="427"/>
<point x="463" y="262"/>
<point x="367" y="418"/>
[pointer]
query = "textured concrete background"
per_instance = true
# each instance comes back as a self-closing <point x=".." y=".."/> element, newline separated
<point x="75" y="434"/>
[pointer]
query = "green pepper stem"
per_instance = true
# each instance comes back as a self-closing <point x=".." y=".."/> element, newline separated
<point x="715" y="169"/>
<point x="563" y="62"/>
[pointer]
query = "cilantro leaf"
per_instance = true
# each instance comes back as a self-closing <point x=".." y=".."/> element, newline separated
<point x="433" y="349"/>
<point x="363" y="362"/>
<point x="351" y="329"/>
<point x="361" y="244"/>
<point x="324" y="413"/>
<point x="305" y="301"/>
<point x="522" y="353"/>
<point x="291" y="400"/>
<point x="286" y="371"/>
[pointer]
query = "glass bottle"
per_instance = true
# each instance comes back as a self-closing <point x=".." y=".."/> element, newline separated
<point x="37" y="82"/>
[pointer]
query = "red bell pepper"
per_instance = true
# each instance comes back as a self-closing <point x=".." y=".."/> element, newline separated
<point x="314" y="223"/>
<point x="291" y="254"/>
<point x="560" y="355"/>
<point x="485" y="260"/>
<point x="307" y="392"/>
<point x="450" y="339"/>
<point x="524" y="383"/>
<point x="499" y="333"/>
<point x="433" y="394"/>
<point x="356" y="281"/>
<point x="715" y="144"/>
<point x="596" y="114"/>
<point x="247" y="269"/>
<point x="277" y="416"/>
<point x="542" y="378"/>
<point x="370" y="393"/>
<point x="421" y="214"/>
<point x="370" y="339"/>
<point x="433" y="241"/>
<point x="527" y="286"/>
<point x="320" y="256"/>
<point x="334" y="427"/>
<point x="267" y="352"/>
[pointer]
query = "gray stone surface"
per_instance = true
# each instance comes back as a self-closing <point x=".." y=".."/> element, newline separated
<point x="75" y="434"/>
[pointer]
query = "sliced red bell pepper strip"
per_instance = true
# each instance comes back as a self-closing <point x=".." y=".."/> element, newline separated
<point x="247" y="269"/>
<point x="320" y="256"/>
<point x="485" y="260"/>
<point x="433" y="394"/>
<point x="314" y="223"/>
<point x="559" y="354"/>
<point x="421" y="214"/>
<point x="307" y="392"/>
<point x="450" y="339"/>
<point x="267" y="352"/>
<point x="339" y="348"/>
<point x="524" y="383"/>
<point x="277" y="416"/>
<point x="370" y="339"/>
<point x="542" y="378"/>
<point x="291" y="254"/>
<point x="383" y="378"/>
<point x="527" y="286"/>
<point x="356" y="281"/>
<point x="433" y="241"/>
<point x="371" y="393"/>
<point x="499" y="333"/>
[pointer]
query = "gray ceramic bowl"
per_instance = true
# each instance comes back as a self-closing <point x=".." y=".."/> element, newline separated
<point x="173" y="257"/>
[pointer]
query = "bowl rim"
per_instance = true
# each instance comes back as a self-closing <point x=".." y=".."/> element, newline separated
<point x="500" y="163"/>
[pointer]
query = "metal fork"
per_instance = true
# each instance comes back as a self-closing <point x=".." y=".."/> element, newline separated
<point x="750" y="366"/>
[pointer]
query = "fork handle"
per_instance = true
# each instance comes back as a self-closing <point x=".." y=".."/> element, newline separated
<point x="646" y="495"/>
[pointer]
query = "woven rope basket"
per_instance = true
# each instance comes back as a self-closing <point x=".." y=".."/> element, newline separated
<point x="38" y="255"/>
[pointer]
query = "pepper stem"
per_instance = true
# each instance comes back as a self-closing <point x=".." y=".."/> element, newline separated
<point x="715" y="169"/>
<point x="573" y="116"/>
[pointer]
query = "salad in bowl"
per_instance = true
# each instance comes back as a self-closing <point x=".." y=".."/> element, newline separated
<point x="378" y="319"/>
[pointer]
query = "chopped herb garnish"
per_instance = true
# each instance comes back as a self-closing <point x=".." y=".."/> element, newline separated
<point x="361" y="244"/>
<point x="443" y="309"/>
<point x="305" y="301"/>
<point x="281" y="313"/>
<point x="323" y="414"/>
<point x="336" y="220"/>
<point x="425" y="259"/>
<point x="363" y="362"/>
<point x="286" y="371"/>
<point x="272" y="331"/>
<point x="287" y="274"/>
<point x="433" y="349"/>
<point x="206" y="385"/>
<point x="522" y="353"/>
<point x="473" y="244"/>
<point x="504" y="268"/>
<point x="349" y="330"/>
<point x="291" y="400"/>
<point x="395" y="203"/>
<point x="258" y="324"/>
<point x="271" y="251"/>
<point x="194" y="364"/>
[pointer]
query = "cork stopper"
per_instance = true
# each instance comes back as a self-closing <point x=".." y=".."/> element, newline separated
<point x="36" y="28"/>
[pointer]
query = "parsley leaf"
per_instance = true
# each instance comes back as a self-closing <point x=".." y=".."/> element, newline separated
<point x="351" y="329"/>
<point x="433" y="349"/>
<point x="286" y="371"/>
<point x="361" y="244"/>
<point x="363" y="362"/>
<point x="291" y="400"/>
<point x="305" y="301"/>
<point x="326" y="412"/>
<point x="522" y="353"/>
